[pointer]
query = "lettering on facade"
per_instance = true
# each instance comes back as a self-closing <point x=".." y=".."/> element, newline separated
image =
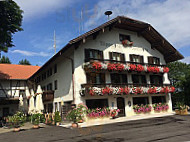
<point x="106" y="44"/>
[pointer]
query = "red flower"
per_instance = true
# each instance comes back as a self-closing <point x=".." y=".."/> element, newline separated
<point x="166" y="69"/>
<point x="137" y="90"/>
<point x="106" y="90"/>
<point x="152" y="90"/>
<point x="133" y="67"/>
<point x="153" y="69"/>
<point x="91" y="92"/>
<point x="126" y="90"/>
<point x="156" y="70"/>
<point x="126" y="42"/>
<point x="96" y="65"/>
<point x="150" y="69"/>
<point x="121" y="90"/>
<point x="111" y="66"/>
<point x="164" y="90"/>
<point x="140" y="68"/>
<point x="119" y="67"/>
<point x="172" y="89"/>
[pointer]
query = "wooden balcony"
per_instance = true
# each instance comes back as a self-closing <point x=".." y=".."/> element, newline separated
<point x="124" y="62"/>
<point x="118" y="89"/>
<point x="48" y="95"/>
<point x="123" y="85"/>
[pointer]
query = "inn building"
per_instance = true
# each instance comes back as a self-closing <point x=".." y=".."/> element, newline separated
<point x="119" y="64"/>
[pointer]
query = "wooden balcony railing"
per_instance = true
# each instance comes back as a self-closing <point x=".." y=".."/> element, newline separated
<point x="123" y="85"/>
<point x="124" y="62"/>
<point x="48" y="95"/>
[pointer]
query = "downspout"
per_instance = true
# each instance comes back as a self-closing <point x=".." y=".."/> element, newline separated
<point x="73" y="84"/>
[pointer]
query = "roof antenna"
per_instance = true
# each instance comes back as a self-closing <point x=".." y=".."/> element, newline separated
<point x="108" y="13"/>
<point x="54" y="45"/>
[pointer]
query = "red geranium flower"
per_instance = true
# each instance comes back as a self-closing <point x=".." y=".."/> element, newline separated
<point x="96" y="65"/>
<point x="164" y="90"/>
<point x="120" y="67"/>
<point x="106" y="90"/>
<point x="166" y="69"/>
<point x="172" y="89"/>
<point x="111" y="66"/>
<point x="91" y="92"/>
<point x="152" y="90"/>
<point x="133" y="67"/>
<point x="140" y="68"/>
<point x="126" y="90"/>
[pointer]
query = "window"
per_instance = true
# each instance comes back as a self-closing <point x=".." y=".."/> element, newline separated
<point x="44" y="76"/>
<point x="97" y="103"/>
<point x="49" y="86"/>
<point x="154" y="60"/>
<point x="117" y="56"/>
<point x="55" y="85"/>
<point x="124" y="37"/>
<point x="95" y="78"/>
<point x="49" y="72"/>
<point x="43" y="88"/>
<point x="136" y="58"/>
<point x="93" y="54"/>
<point x="118" y="78"/>
<point x="139" y="79"/>
<point x="140" y="100"/>
<point x="156" y="79"/>
<point x="22" y="92"/>
<point x="55" y="68"/>
<point x="158" y="99"/>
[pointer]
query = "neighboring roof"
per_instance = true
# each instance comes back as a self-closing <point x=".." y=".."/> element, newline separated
<point x="17" y="72"/>
<point x="143" y="29"/>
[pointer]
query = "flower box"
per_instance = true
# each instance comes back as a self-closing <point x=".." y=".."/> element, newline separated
<point x="127" y="43"/>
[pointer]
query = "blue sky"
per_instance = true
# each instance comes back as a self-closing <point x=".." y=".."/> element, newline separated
<point x="41" y="17"/>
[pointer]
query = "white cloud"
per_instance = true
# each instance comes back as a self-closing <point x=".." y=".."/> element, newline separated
<point x="169" y="17"/>
<point x="186" y="60"/>
<point x="39" y="8"/>
<point x="30" y="53"/>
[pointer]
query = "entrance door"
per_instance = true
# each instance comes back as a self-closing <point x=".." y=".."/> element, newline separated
<point x="121" y="106"/>
<point x="5" y="111"/>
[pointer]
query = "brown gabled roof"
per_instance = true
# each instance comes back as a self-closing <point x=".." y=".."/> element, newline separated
<point x="143" y="29"/>
<point x="17" y="72"/>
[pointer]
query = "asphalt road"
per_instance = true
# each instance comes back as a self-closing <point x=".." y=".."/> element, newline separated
<point x="171" y="128"/>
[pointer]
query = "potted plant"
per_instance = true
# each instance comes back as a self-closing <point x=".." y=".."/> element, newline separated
<point x="57" y="118"/>
<point x="73" y="116"/>
<point x="182" y="109"/>
<point x="37" y="119"/>
<point x="114" y="113"/>
<point x="17" y="120"/>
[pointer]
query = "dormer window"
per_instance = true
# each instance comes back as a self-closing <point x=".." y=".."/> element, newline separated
<point x="124" y="37"/>
<point x="125" y="40"/>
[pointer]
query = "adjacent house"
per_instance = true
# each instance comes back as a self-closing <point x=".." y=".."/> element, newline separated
<point x="120" y="64"/>
<point x="13" y="83"/>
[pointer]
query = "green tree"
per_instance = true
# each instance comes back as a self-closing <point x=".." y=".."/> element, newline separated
<point x="5" y="60"/>
<point x="179" y="76"/>
<point x="24" y="62"/>
<point x="10" y="23"/>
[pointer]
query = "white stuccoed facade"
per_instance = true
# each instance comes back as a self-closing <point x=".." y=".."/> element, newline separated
<point x="107" y="41"/>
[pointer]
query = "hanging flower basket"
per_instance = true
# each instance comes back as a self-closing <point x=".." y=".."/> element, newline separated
<point x="127" y="43"/>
